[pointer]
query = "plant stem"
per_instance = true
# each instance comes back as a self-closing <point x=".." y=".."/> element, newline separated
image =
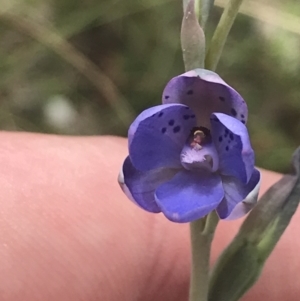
<point x="220" y="36"/>
<point x="203" y="8"/>
<point x="202" y="232"/>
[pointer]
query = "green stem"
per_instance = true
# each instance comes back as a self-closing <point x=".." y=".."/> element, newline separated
<point x="220" y="36"/>
<point x="203" y="8"/>
<point x="202" y="232"/>
<point x="198" y="4"/>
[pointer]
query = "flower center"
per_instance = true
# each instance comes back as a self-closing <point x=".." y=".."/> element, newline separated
<point x="199" y="136"/>
<point x="199" y="151"/>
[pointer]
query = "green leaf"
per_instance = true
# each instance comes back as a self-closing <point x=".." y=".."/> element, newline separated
<point x="192" y="38"/>
<point x="241" y="263"/>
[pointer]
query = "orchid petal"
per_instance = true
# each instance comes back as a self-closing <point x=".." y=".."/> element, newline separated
<point x="231" y="138"/>
<point x="205" y="93"/>
<point x="156" y="140"/>
<point x="239" y="198"/>
<point x="142" y="116"/>
<point x="189" y="195"/>
<point x="200" y="156"/>
<point x="140" y="186"/>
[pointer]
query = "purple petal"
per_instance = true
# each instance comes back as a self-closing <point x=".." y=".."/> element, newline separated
<point x="141" y="117"/>
<point x="231" y="138"/>
<point x="156" y="139"/>
<point x="205" y="93"/>
<point x="239" y="198"/>
<point x="140" y="186"/>
<point x="189" y="196"/>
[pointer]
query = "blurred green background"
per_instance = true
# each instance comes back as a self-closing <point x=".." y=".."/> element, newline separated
<point x="89" y="67"/>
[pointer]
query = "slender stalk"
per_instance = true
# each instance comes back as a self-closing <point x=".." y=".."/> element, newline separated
<point x="202" y="232"/>
<point x="220" y="36"/>
<point x="203" y="8"/>
<point x="198" y="5"/>
<point x="200" y="261"/>
<point x="211" y="223"/>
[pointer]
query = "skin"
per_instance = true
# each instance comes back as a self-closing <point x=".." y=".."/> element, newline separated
<point x="69" y="233"/>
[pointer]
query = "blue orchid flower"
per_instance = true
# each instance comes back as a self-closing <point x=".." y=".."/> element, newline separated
<point x="192" y="154"/>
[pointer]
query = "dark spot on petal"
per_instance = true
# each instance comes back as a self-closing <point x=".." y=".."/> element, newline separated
<point x="233" y="112"/>
<point x="160" y="114"/>
<point x="176" y="129"/>
<point x="186" y="117"/>
<point x="163" y="130"/>
<point x="193" y="116"/>
<point x="220" y="138"/>
<point x="186" y="108"/>
<point x="243" y="121"/>
<point x="167" y="96"/>
<point x="227" y="148"/>
<point x="226" y="132"/>
<point x="171" y="122"/>
<point x="221" y="98"/>
<point x="190" y="92"/>
<point x="229" y="141"/>
<point x="242" y="115"/>
<point x="231" y="136"/>
<point x="153" y="115"/>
